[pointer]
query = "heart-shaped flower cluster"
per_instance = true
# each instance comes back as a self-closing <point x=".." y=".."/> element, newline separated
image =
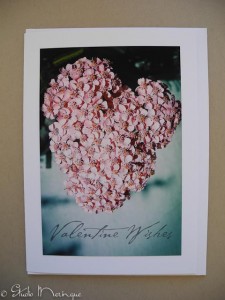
<point x="105" y="136"/>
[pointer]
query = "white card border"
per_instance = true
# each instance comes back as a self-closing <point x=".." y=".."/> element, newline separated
<point x="194" y="89"/>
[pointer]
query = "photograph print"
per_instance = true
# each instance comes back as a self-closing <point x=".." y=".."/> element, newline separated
<point x="111" y="151"/>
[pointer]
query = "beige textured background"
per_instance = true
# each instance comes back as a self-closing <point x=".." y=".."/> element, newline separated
<point x="15" y="17"/>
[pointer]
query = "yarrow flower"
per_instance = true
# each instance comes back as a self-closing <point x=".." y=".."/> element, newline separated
<point x="104" y="136"/>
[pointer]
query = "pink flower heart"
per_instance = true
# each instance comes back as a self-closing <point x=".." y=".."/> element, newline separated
<point x="105" y="136"/>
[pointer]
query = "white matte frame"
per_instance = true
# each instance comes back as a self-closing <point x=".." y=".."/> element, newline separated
<point x="195" y="150"/>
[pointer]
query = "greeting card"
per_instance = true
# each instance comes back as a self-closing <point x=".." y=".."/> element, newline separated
<point x="116" y="151"/>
